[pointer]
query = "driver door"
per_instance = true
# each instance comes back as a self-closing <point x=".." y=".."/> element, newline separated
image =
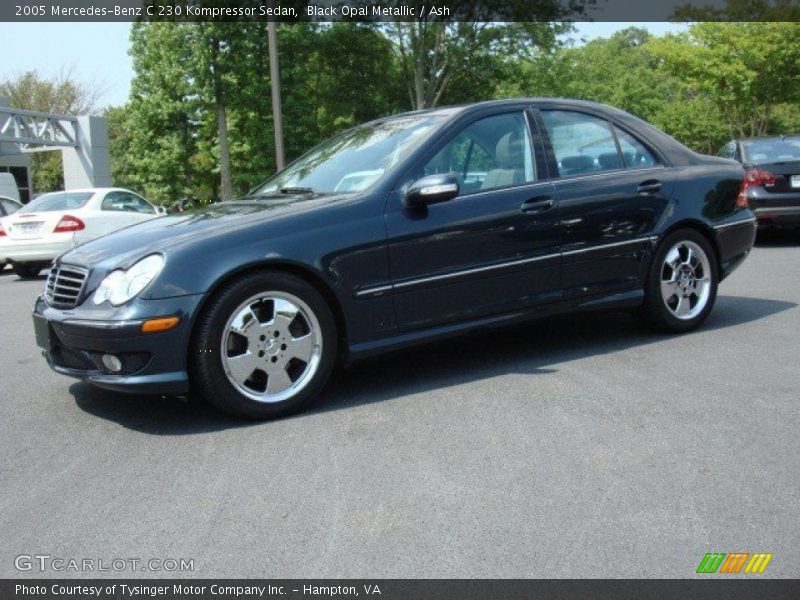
<point x="492" y="249"/>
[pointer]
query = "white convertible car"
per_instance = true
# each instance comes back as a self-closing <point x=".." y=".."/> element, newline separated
<point x="53" y="223"/>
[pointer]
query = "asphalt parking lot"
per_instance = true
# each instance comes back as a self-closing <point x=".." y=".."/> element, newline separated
<point x="576" y="447"/>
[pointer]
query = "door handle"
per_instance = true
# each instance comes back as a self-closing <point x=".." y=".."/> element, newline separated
<point x="537" y="204"/>
<point x="651" y="186"/>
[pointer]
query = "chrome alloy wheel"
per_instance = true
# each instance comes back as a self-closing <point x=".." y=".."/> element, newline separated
<point x="271" y="346"/>
<point x="686" y="280"/>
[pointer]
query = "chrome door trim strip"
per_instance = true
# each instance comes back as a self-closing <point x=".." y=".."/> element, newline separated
<point x="778" y="209"/>
<point x="611" y="245"/>
<point x="735" y="223"/>
<point x="380" y="289"/>
<point x="504" y="265"/>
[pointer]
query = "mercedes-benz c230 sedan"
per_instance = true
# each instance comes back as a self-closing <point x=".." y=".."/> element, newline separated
<point x="406" y="229"/>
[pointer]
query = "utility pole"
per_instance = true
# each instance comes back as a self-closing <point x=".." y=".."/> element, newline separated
<point x="275" y="85"/>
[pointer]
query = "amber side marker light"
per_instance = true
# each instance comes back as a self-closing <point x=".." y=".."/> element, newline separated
<point x="163" y="324"/>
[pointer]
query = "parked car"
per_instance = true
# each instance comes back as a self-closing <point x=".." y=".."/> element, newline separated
<point x="54" y="223"/>
<point x="8" y="206"/>
<point x="772" y="182"/>
<point x="253" y="302"/>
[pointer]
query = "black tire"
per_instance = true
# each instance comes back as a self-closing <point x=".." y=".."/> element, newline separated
<point x="27" y="270"/>
<point x="655" y="310"/>
<point x="206" y="371"/>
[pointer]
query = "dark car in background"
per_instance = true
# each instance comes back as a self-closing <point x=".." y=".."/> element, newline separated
<point x="403" y="230"/>
<point x="772" y="179"/>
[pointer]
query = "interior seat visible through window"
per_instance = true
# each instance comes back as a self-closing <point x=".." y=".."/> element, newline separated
<point x="509" y="155"/>
<point x="490" y="153"/>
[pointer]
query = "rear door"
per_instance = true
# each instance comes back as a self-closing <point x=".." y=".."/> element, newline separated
<point x="612" y="189"/>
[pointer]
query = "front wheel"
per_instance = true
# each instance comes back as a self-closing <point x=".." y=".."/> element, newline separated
<point x="682" y="284"/>
<point x="264" y="347"/>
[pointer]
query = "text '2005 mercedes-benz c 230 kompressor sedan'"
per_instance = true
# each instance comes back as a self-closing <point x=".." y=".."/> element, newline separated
<point x="403" y="230"/>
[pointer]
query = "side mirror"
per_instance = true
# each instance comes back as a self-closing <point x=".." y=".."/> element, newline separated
<point x="161" y="211"/>
<point x="432" y="189"/>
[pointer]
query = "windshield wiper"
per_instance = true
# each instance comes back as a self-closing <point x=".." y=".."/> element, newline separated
<point x="297" y="190"/>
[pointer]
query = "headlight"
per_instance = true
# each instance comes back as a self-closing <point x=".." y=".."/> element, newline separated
<point x="120" y="286"/>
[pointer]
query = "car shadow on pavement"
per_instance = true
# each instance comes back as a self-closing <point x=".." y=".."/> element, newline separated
<point x="533" y="349"/>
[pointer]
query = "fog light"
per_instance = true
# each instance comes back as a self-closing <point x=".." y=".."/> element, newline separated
<point x="112" y="363"/>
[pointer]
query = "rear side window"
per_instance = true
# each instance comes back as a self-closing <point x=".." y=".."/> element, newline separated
<point x="126" y="202"/>
<point x="57" y="201"/>
<point x="634" y="154"/>
<point x="586" y="144"/>
<point x="582" y="143"/>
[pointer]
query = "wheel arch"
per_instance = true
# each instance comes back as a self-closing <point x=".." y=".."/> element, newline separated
<point x="703" y="229"/>
<point x="301" y="271"/>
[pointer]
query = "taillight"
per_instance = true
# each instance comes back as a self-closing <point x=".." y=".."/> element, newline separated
<point x="2" y="231"/>
<point x="753" y="178"/>
<point x="69" y="223"/>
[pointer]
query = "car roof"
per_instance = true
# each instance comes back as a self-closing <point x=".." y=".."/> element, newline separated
<point x="524" y="101"/>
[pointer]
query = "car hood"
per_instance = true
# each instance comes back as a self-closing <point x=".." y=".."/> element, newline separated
<point x="125" y="246"/>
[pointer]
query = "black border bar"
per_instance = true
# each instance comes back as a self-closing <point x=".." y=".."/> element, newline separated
<point x="397" y="10"/>
<point x="730" y="588"/>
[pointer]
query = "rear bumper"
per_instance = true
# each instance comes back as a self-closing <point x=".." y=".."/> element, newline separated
<point x="775" y="209"/>
<point x="32" y="250"/>
<point x="735" y="239"/>
<point x="152" y="362"/>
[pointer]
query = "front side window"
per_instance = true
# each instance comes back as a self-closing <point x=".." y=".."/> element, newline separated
<point x="491" y="153"/>
<point x="57" y="201"/>
<point x="355" y="159"/>
<point x="581" y="143"/>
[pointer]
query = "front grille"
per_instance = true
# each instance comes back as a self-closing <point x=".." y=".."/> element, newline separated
<point x="64" y="286"/>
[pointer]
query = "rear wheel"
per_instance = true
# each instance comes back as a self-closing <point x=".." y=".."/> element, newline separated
<point x="27" y="270"/>
<point x="264" y="347"/>
<point x="682" y="284"/>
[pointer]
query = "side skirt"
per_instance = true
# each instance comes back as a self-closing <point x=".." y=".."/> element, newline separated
<point x="618" y="301"/>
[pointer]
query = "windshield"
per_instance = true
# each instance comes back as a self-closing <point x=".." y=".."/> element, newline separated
<point x="57" y="201"/>
<point x="772" y="150"/>
<point x="355" y="159"/>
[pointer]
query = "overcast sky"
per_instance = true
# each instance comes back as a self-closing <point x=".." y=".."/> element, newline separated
<point x="98" y="52"/>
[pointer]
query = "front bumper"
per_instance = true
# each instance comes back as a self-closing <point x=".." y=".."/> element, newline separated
<point x="74" y="341"/>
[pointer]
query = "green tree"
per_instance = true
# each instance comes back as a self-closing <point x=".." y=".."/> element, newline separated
<point x="160" y="125"/>
<point x="436" y="56"/>
<point x="745" y="70"/>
